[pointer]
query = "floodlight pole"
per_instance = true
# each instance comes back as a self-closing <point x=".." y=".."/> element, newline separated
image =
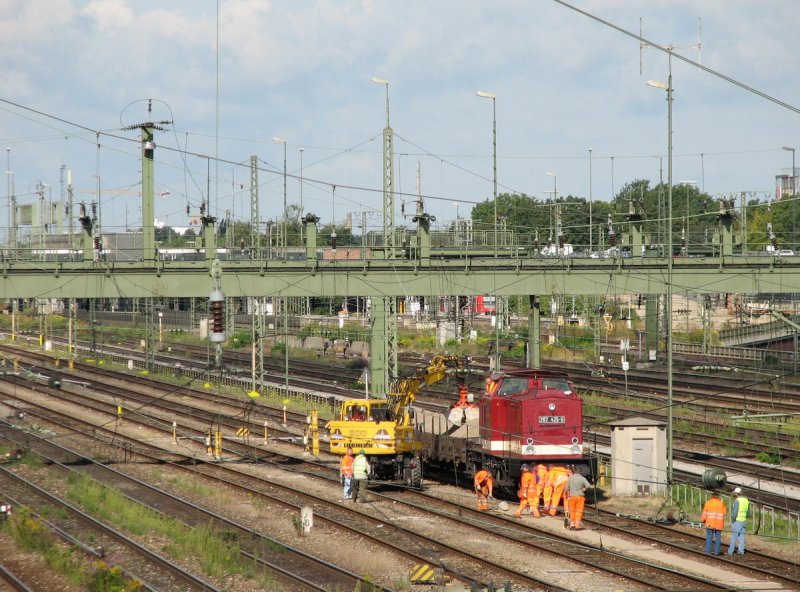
<point x="489" y="95"/>
<point x="669" y="277"/>
<point x="497" y="308"/>
<point x="794" y="201"/>
<point x="668" y="297"/>
<point x="590" y="200"/>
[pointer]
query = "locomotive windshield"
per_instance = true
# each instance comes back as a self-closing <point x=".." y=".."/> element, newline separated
<point x="519" y="385"/>
<point x="512" y="386"/>
<point x="557" y="383"/>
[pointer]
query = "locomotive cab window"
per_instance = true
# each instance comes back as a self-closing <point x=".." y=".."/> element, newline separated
<point x="512" y="386"/>
<point x="557" y="383"/>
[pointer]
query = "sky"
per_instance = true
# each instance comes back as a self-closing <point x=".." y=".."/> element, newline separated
<point x="229" y="76"/>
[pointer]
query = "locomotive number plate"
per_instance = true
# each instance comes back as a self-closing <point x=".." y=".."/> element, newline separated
<point x="552" y="419"/>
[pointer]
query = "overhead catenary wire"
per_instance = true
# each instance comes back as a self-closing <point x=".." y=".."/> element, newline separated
<point x="678" y="56"/>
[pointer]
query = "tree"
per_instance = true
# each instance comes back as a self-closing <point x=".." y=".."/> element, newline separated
<point x="694" y="215"/>
<point x="530" y="219"/>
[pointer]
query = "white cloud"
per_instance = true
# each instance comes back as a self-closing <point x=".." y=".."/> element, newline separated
<point x="301" y="69"/>
<point x="110" y="15"/>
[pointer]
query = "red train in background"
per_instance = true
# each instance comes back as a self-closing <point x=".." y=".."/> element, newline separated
<point x="528" y="416"/>
<point x="484" y="305"/>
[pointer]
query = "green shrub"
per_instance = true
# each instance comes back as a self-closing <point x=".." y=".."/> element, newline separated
<point x="240" y="340"/>
<point x="111" y="579"/>
<point x="772" y="458"/>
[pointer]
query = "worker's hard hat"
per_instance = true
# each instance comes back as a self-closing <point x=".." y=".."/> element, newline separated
<point x="526" y="468"/>
<point x="361" y="452"/>
<point x="737" y="491"/>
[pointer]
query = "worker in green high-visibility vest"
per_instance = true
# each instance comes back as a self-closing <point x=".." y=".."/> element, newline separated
<point x="739" y="515"/>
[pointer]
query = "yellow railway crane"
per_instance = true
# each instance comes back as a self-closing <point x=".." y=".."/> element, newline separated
<point x="384" y="428"/>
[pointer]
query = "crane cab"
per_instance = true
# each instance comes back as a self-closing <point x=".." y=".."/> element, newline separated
<point x="384" y="428"/>
<point x="390" y="445"/>
<point x="368" y="425"/>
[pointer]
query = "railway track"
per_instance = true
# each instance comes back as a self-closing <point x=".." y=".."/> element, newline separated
<point x="758" y="565"/>
<point x="746" y="442"/>
<point x="701" y="391"/>
<point x="706" y="390"/>
<point x="462" y="565"/>
<point x="10" y="581"/>
<point x="694" y="586"/>
<point x="297" y="570"/>
<point x="693" y="435"/>
<point x="92" y="536"/>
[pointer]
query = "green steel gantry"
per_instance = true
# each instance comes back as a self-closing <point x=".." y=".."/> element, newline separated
<point x="416" y="270"/>
<point x="392" y="270"/>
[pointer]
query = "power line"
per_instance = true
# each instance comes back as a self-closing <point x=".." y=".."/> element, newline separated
<point x="690" y="61"/>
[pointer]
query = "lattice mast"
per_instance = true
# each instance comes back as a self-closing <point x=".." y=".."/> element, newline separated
<point x="148" y="207"/>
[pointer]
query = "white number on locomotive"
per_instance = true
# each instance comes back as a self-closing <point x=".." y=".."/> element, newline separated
<point x="552" y="419"/>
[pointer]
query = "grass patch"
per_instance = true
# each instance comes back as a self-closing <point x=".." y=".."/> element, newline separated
<point x="29" y="459"/>
<point x="194" y="486"/>
<point x="31" y="534"/>
<point x="218" y="556"/>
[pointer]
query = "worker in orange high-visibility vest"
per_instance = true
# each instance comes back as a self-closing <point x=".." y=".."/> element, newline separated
<point x="557" y="482"/>
<point x="541" y="482"/>
<point x="484" y="485"/>
<point x="527" y="492"/>
<point x="576" y="498"/>
<point x="346" y="473"/>
<point x="713" y="517"/>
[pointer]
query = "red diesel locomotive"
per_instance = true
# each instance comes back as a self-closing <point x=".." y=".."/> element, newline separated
<point x="528" y="416"/>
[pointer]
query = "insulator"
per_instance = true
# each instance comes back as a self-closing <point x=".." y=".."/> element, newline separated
<point x="714" y="478"/>
<point x="94" y="210"/>
<point x="612" y="238"/>
<point x="560" y="240"/>
<point x="333" y="240"/>
<point x="83" y="210"/>
<point x="98" y="244"/>
<point x="216" y="309"/>
<point x="774" y="242"/>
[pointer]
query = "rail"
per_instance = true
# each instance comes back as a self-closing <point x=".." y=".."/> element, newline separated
<point x="764" y="519"/>
<point x="273" y="391"/>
